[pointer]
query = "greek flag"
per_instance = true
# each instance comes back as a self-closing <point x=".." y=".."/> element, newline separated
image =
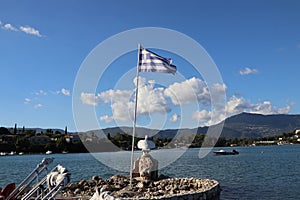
<point x="151" y="62"/>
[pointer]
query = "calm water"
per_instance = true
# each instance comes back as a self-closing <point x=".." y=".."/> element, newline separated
<point x="256" y="173"/>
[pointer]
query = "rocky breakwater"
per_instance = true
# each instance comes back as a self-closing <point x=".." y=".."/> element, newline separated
<point x="163" y="188"/>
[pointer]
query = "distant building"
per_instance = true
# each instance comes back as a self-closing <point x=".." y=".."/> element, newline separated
<point x="265" y="142"/>
<point x="72" y="138"/>
<point x="297" y="131"/>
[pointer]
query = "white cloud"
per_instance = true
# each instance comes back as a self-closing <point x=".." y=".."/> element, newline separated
<point x="155" y="100"/>
<point x="248" y="71"/>
<point x="9" y="27"/>
<point x="174" y="118"/>
<point x="234" y="106"/>
<point x="65" y="92"/>
<point x="202" y="116"/>
<point x="191" y="90"/>
<point x="0" y="22"/>
<point x="122" y="111"/>
<point x="115" y="95"/>
<point x="237" y="105"/>
<point x="26" y="29"/>
<point x="106" y="118"/>
<point x="31" y="31"/>
<point x="27" y="100"/>
<point x="152" y="100"/>
<point x="89" y="99"/>
<point x="40" y="92"/>
<point x="122" y="107"/>
<point x="38" y="105"/>
<point x="218" y="93"/>
<point x="195" y="90"/>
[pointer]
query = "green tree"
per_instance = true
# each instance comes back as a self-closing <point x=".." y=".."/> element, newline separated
<point x="15" y="129"/>
<point x="61" y="144"/>
<point x="4" y="131"/>
<point x="221" y="142"/>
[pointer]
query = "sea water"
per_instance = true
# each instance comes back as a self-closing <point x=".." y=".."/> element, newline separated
<point x="263" y="172"/>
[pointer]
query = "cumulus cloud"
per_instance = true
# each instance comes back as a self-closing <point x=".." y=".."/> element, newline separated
<point x="191" y="90"/>
<point x="150" y="100"/>
<point x="27" y="100"/>
<point x="65" y="92"/>
<point x="195" y="90"/>
<point x="121" y="104"/>
<point x="9" y="27"/>
<point x="40" y="92"/>
<point x="38" y="105"/>
<point x="106" y="118"/>
<point x="89" y="99"/>
<point x="31" y="31"/>
<point x="202" y="116"/>
<point x="174" y="118"/>
<point x="115" y="95"/>
<point x="237" y="105"/>
<point x="122" y="111"/>
<point x="153" y="99"/>
<point x="248" y="71"/>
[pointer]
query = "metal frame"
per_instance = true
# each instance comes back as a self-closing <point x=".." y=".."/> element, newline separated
<point x="42" y="191"/>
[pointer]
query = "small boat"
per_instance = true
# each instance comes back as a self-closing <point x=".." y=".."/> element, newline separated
<point x="222" y="152"/>
<point x="48" y="152"/>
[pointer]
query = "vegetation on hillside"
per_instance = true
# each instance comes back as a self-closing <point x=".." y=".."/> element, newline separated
<point x="29" y="142"/>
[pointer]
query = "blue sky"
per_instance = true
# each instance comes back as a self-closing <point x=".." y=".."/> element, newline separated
<point x="255" y="45"/>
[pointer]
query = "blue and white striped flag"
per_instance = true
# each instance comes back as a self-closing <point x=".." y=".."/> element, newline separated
<point x="151" y="62"/>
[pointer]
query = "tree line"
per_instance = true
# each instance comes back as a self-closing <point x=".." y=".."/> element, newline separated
<point x="30" y="142"/>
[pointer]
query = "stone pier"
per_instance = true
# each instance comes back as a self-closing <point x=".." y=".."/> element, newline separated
<point x="117" y="187"/>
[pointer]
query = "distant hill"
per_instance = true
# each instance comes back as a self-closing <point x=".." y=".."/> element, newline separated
<point x="244" y="125"/>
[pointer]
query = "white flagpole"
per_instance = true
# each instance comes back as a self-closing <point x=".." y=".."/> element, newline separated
<point x="135" y="111"/>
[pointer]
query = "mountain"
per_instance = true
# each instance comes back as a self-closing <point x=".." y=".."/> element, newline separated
<point x="244" y="125"/>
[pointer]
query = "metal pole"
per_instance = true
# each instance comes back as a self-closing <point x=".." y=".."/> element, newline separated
<point x="135" y="111"/>
<point x="39" y="168"/>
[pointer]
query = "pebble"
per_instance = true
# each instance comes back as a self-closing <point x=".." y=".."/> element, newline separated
<point x="119" y="186"/>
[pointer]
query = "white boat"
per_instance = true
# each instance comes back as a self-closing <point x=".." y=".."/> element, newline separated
<point x="48" y="152"/>
<point x="222" y="152"/>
